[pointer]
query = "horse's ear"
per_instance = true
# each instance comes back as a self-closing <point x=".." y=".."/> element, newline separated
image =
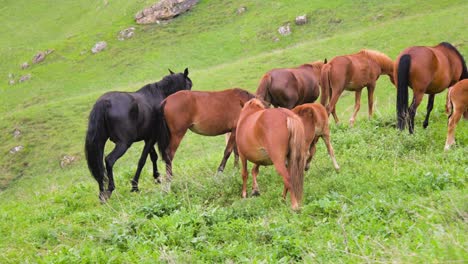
<point x="186" y="72"/>
<point x="171" y="72"/>
<point x="325" y="61"/>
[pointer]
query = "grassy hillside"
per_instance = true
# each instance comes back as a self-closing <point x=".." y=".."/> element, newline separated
<point x="398" y="197"/>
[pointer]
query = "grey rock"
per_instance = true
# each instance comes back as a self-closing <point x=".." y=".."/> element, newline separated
<point x="164" y="10"/>
<point x="16" y="133"/>
<point x="24" y="78"/>
<point x="301" y="20"/>
<point x="39" y="57"/>
<point x="98" y="47"/>
<point x="285" y="30"/>
<point x="16" y="149"/>
<point x="11" y="82"/>
<point x="67" y="160"/>
<point x="126" y="33"/>
<point x="25" y="65"/>
<point x="241" y="10"/>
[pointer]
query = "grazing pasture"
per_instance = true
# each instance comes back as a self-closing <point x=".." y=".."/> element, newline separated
<point x="397" y="197"/>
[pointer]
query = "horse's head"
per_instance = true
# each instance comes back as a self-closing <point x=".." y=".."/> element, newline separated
<point x="177" y="81"/>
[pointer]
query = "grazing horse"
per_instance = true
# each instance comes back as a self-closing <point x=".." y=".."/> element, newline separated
<point x="205" y="113"/>
<point x="125" y="118"/>
<point x="458" y="105"/>
<point x="315" y="119"/>
<point x="353" y="73"/>
<point x="272" y="136"/>
<point x="427" y="70"/>
<point x="291" y="86"/>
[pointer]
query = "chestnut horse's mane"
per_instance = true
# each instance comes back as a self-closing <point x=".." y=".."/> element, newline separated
<point x="385" y="62"/>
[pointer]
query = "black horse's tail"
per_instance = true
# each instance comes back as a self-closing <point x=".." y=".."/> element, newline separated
<point x="402" y="90"/>
<point x="164" y="134"/>
<point x="95" y="140"/>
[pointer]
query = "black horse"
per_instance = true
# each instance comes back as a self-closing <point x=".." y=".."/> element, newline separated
<point x="125" y="118"/>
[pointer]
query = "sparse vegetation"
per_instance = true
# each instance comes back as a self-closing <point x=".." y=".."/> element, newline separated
<point x="397" y="198"/>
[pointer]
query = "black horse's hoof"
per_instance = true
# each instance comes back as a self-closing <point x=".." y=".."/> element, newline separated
<point x="157" y="181"/>
<point x="255" y="193"/>
<point x="134" y="189"/>
<point x="425" y="125"/>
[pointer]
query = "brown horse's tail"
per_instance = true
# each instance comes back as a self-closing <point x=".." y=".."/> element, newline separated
<point x="297" y="154"/>
<point x="164" y="134"/>
<point x="326" y="86"/>
<point x="264" y="87"/>
<point x="402" y="90"/>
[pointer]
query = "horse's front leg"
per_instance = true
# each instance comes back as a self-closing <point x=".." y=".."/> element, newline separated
<point x="117" y="152"/>
<point x="228" y="150"/>
<point x="245" y="174"/>
<point x="370" y="98"/>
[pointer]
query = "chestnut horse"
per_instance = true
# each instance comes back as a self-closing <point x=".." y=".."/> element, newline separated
<point x="125" y="118"/>
<point x="205" y="113"/>
<point x="427" y="70"/>
<point x="291" y="86"/>
<point x="272" y="136"/>
<point x="458" y="105"/>
<point x="315" y="119"/>
<point x="353" y="73"/>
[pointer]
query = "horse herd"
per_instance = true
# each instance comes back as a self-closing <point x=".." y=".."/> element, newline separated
<point x="286" y="136"/>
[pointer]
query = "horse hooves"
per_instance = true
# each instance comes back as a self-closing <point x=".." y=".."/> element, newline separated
<point x="425" y="125"/>
<point x="255" y="193"/>
<point x="157" y="181"/>
<point x="135" y="189"/>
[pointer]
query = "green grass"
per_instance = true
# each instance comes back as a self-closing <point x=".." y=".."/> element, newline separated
<point x="398" y="198"/>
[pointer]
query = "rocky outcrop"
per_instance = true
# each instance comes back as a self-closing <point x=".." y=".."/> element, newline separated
<point x="99" y="47"/>
<point x="164" y="10"/>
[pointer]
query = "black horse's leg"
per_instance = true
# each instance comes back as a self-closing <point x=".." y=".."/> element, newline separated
<point x="141" y="164"/>
<point x="117" y="152"/>
<point x="228" y="150"/>
<point x="154" y="159"/>
<point x="417" y="98"/>
<point x="236" y="156"/>
<point x="430" y="105"/>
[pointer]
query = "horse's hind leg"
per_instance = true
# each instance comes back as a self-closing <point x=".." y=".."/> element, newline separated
<point x="332" y="104"/>
<point x="417" y="98"/>
<point x="313" y="148"/>
<point x="141" y="164"/>
<point x="227" y="151"/>
<point x="245" y="175"/>
<point x="370" y="98"/>
<point x="117" y="152"/>
<point x="154" y="159"/>
<point x="357" y="106"/>
<point x="255" y="191"/>
<point x="326" y="139"/>
<point x="430" y="105"/>
<point x="452" y="124"/>
<point x="169" y="156"/>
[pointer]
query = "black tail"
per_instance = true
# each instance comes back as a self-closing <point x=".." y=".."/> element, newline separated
<point x="164" y="134"/>
<point x="402" y="90"/>
<point x="96" y="138"/>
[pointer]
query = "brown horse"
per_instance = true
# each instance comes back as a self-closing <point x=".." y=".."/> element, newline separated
<point x="353" y="73"/>
<point x="458" y="105"/>
<point x="272" y="136"/>
<point x="427" y="70"/>
<point x="205" y="113"/>
<point x="291" y="86"/>
<point x="315" y="119"/>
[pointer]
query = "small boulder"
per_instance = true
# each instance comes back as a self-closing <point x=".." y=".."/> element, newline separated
<point x="284" y="30"/>
<point x="16" y="133"/>
<point x="11" y="82"/>
<point x="301" y="20"/>
<point x="98" y="47"/>
<point x="16" y="149"/>
<point x="241" y="10"/>
<point x="25" y="65"/>
<point x="24" y="78"/>
<point x="67" y="160"/>
<point x="126" y="33"/>
<point x="39" y="57"/>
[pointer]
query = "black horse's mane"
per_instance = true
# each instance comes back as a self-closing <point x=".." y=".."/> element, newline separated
<point x="464" y="74"/>
<point x="160" y="88"/>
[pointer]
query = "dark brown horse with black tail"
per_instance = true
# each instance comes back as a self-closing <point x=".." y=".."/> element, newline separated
<point x="125" y="118"/>
<point x="352" y="73"/>
<point x="427" y="70"/>
<point x="290" y="87"/>
<point x="205" y="113"/>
